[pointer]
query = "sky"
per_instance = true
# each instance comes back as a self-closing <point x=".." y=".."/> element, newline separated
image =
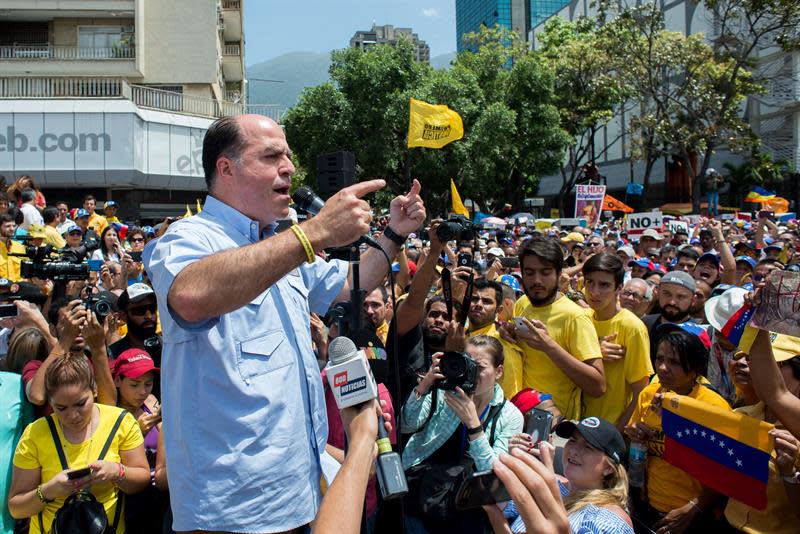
<point x="274" y="27"/>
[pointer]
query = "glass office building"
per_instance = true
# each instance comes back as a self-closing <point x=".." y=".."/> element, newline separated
<point x="517" y="15"/>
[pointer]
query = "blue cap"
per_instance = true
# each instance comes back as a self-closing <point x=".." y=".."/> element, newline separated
<point x="148" y="230"/>
<point x="709" y="256"/>
<point x="81" y="213"/>
<point x="694" y="241"/>
<point x="110" y="204"/>
<point x="747" y="259"/>
<point x="396" y="267"/>
<point x="692" y="328"/>
<point x="644" y="263"/>
<point x="71" y="228"/>
<point x="511" y="282"/>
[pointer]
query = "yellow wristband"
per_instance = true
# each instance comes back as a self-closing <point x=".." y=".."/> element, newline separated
<point x="303" y="238"/>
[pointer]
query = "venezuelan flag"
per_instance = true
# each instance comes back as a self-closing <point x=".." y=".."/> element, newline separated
<point x="734" y="328"/>
<point x="759" y="194"/>
<point x="724" y="450"/>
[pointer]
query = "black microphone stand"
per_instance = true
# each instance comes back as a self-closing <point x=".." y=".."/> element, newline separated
<point x="348" y="315"/>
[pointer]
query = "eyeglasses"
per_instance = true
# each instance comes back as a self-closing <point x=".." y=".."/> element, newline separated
<point x="142" y="310"/>
<point x="631" y="294"/>
<point x="594" y="244"/>
<point x="136" y="240"/>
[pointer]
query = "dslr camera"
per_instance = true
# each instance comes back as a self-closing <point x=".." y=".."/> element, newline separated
<point x="459" y="370"/>
<point x="456" y="227"/>
<point x="99" y="306"/>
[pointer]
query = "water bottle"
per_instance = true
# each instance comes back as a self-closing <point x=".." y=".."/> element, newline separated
<point x="637" y="463"/>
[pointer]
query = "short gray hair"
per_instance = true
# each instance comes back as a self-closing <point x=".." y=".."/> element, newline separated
<point x="648" y="288"/>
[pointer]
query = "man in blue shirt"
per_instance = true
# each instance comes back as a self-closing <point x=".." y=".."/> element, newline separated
<point x="243" y="407"/>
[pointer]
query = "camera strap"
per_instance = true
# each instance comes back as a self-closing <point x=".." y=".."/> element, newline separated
<point x="447" y="290"/>
<point x="467" y="302"/>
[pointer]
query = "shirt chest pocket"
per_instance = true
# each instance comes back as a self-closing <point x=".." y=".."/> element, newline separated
<point x="263" y="354"/>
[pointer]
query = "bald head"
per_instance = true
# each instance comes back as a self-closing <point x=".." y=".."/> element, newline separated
<point x="228" y="137"/>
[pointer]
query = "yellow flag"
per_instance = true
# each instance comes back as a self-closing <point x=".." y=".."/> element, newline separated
<point x="457" y="206"/>
<point x="433" y="126"/>
<point x="199" y="209"/>
<point x="188" y="212"/>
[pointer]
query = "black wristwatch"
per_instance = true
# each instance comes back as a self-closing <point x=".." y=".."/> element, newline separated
<point x="473" y="431"/>
<point x="394" y="236"/>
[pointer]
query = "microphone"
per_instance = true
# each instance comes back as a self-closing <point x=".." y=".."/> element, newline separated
<point x="351" y="380"/>
<point x="308" y="201"/>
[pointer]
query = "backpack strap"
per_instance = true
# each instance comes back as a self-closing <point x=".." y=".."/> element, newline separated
<point x="118" y="511"/>
<point x="494" y="415"/>
<point x="59" y="448"/>
<point x="434" y="399"/>
<point x="111" y="435"/>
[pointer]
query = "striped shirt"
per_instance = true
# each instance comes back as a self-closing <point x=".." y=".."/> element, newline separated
<point x="590" y="519"/>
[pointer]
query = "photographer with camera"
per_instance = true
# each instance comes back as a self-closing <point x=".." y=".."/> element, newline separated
<point x="74" y="328"/>
<point x="461" y="423"/>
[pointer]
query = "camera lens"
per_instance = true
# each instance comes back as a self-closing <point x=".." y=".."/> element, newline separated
<point x="452" y="366"/>
<point x="102" y="308"/>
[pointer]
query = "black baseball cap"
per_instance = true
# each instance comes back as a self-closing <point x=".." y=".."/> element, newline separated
<point x="599" y="433"/>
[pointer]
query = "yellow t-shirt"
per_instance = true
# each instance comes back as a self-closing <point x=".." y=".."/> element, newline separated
<point x="668" y="487"/>
<point x="570" y="327"/>
<point x="97" y="222"/>
<point x="9" y="265"/>
<point x="511" y="381"/>
<point x="36" y="450"/>
<point x="52" y="237"/>
<point x="779" y="516"/>
<point x="631" y="334"/>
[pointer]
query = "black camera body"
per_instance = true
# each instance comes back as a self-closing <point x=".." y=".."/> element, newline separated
<point x="54" y="270"/>
<point x="99" y="306"/>
<point x="459" y="370"/>
<point x="456" y="227"/>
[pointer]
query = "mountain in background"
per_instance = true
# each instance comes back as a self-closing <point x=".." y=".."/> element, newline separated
<point x="298" y="70"/>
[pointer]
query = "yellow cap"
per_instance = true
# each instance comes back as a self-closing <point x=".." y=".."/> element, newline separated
<point x="783" y="347"/>
<point x="573" y="237"/>
<point x="36" y="231"/>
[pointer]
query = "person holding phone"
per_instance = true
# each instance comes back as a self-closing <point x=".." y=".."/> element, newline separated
<point x="40" y="484"/>
<point x="593" y="489"/>
<point x="110" y="249"/>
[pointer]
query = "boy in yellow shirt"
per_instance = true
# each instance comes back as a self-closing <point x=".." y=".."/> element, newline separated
<point x="623" y="338"/>
<point x="561" y="354"/>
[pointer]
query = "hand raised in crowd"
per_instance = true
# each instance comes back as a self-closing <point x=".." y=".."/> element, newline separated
<point x="612" y="352"/>
<point x="534" y="490"/>
<point x="679" y="520"/>
<point x="94" y="332"/>
<point x="463" y="407"/>
<point x="494" y="269"/>
<point x="433" y="374"/>
<point x="535" y="335"/>
<point x="60" y="486"/>
<point x="70" y="323"/>
<point x="787" y="448"/>
<point x="456" y="337"/>
<point x="29" y="316"/>
<point x="458" y="281"/>
<point x="407" y="211"/>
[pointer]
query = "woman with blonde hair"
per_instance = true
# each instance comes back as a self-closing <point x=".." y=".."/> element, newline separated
<point x="26" y="345"/>
<point x="594" y="487"/>
<point x="80" y="434"/>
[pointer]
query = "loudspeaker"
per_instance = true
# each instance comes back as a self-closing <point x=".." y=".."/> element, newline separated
<point x="334" y="172"/>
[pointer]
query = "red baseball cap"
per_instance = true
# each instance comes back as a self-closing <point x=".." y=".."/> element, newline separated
<point x="133" y="363"/>
<point x="528" y="398"/>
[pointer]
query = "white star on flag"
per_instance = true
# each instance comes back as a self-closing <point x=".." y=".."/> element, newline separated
<point x="738" y="463"/>
<point x="730" y="452"/>
<point x="680" y="434"/>
<point x="703" y="433"/>
<point x="713" y="437"/>
<point x="721" y="443"/>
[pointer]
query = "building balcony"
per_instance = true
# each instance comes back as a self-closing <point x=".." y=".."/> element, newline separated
<point x="231" y="20"/>
<point x="232" y="67"/>
<point x="77" y="8"/>
<point x="105" y="87"/>
<point x="67" y="53"/>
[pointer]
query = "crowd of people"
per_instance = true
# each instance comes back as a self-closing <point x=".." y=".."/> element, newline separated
<point x="540" y="354"/>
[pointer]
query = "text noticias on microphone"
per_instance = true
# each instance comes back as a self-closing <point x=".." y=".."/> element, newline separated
<point x="349" y="374"/>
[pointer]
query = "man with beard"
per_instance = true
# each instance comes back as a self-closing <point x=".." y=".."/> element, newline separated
<point x="376" y="308"/>
<point x="675" y="297"/>
<point x="701" y="294"/>
<point x="487" y="303"/>
<point x="9" y="265"/>
<point x="561" y="353"/>
<point x="137" y="306"/>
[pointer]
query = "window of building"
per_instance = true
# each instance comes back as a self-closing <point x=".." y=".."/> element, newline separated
<point x="99" y="42"/>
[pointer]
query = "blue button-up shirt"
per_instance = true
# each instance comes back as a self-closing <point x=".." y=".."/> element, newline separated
<point x="243" y="407"/>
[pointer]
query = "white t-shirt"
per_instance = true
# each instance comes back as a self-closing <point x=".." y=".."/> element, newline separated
<point x="32" y="216"/>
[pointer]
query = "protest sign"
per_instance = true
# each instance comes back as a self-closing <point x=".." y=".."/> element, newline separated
<point x="569" y="224"/>
<point x="639" y="222"/>
<point x="675" y="225"/>
<point x="779" y="308"/>
<point x="589" y="202"/>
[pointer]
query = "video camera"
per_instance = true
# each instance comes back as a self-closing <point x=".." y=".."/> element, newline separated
<point x="456" y="227"/>
<point x="459" y="370"/>
<point x="68" y="266"/>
